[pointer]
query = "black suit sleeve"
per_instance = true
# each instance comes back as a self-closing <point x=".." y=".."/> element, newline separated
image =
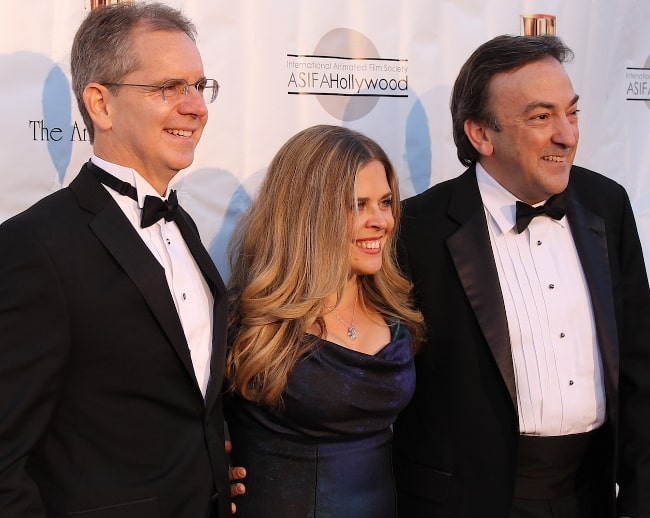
<point x="33" y="350"/>
<point x="633" y="307"/>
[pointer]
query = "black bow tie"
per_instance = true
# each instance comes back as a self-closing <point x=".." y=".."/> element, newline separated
<point x="555" y="207"/>
<point x="154" y="208"/>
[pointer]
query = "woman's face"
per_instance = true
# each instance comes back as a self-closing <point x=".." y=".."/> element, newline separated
<point x="371" y="221"/>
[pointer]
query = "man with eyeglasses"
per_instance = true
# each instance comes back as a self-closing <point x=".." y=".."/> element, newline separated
<point x="112" y="314"/>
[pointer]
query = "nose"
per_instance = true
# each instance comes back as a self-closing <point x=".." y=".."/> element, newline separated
<point x="378" y="218"/>
<point x="193" y="103"/>
<point x="566" y="132"/>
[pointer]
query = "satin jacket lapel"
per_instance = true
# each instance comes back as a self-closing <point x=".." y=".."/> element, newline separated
<point x="588" y="230"/>
<point x="471" y="252"/>
<point x="118" y="236"/>
<point x="211" y="274"/>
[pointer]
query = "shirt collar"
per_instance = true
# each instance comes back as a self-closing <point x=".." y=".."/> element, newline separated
<point x="131" y="176"/>
<point x="499" y="202"/>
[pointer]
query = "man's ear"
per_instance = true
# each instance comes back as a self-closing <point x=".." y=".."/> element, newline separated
<point x="96" y="99"/>
<point x="479" y="135"/>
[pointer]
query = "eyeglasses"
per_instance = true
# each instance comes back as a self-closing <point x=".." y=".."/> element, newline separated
<point x="173" y="90"/>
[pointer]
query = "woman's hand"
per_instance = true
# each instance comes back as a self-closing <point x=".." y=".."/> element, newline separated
<point x="235" y="473"/>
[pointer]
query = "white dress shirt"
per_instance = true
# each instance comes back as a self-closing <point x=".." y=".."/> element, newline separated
<point x="557" y="364"/>
<point x="188" y="288"/>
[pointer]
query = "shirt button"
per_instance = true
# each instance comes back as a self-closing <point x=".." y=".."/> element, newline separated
<point x="168" y="241"/>
<point x="539" y="243"/>
<point x="562" y="335"/>
<point x="570" y="383"/>
<point x="551" y="286"/>
<point x="184" y="296"/>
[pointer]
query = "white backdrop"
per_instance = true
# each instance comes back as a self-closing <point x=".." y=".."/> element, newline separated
<point x="269" y="59"/>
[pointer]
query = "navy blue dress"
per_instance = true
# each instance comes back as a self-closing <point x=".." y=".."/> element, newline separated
<point x="325" y="453"/>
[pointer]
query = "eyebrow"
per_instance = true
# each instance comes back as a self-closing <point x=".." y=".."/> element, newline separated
<point x="546" y="105"/>
<point x="387" y="195"/>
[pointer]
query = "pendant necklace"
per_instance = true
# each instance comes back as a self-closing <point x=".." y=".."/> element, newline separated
<point x="352" y="331"/>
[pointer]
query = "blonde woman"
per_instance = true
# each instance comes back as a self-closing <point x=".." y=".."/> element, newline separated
<point x="322" y="332"/>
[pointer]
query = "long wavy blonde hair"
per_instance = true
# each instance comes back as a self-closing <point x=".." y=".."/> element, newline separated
<point x="290" y="250"/>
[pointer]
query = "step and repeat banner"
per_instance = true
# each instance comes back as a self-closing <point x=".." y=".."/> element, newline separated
<point x="383" y="67"/>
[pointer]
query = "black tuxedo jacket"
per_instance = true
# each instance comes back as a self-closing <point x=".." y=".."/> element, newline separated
<point x="100" y="411"/>
<point x="455" y="446"/>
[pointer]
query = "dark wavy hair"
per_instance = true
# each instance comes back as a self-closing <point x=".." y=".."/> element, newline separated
<point x="470" y="95"/>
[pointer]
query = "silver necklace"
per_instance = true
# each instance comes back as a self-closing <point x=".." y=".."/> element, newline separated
<point x="352" y="331"/>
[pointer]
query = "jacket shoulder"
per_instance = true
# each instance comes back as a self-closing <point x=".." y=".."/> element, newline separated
<point x="596" y="191"/>
<point x="42" y="212"/>
<point x="427" y="200"/>
<point x="585" y="179"/>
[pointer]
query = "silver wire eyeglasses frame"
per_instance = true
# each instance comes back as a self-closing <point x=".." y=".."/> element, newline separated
<point x="174" y="90"/>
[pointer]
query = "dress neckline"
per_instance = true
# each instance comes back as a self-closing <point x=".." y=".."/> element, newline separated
<point x="394" y="327"/>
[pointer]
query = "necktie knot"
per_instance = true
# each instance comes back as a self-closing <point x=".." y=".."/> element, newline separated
<point x="555" y="207"/>
<point x="156" y="208"/>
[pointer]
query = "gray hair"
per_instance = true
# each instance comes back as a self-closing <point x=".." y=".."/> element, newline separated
<point x="101" y="50"/>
